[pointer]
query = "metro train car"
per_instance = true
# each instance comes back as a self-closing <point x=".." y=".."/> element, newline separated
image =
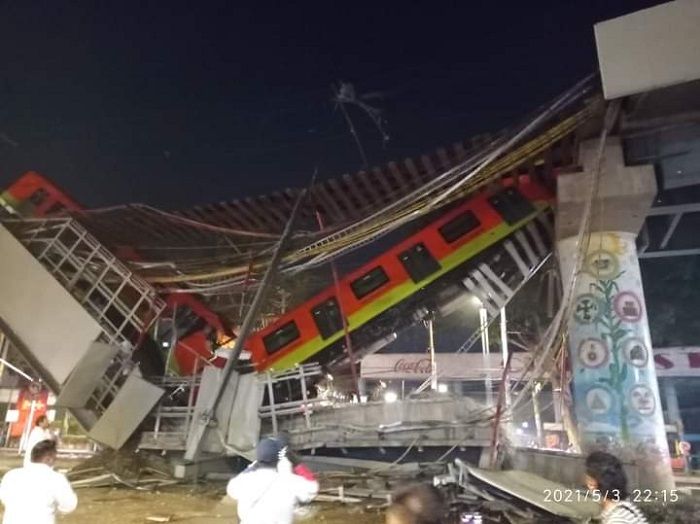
<point x="376" y="299"/>
<point x="34" y="196"/>
<point x="468" y="232"/>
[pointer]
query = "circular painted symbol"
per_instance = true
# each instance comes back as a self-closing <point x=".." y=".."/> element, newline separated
<point x="593" y="353"/>
<point x="636" y="353"/>
<point x="602" y="264"/>
<point x="642" y="400"/>
<point x="598" y="400"/>
<point x="586" y="309"/>
<point x="628" y="306"/>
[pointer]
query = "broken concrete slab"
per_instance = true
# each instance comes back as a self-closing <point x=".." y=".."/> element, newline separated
<point x="545" y="495"/>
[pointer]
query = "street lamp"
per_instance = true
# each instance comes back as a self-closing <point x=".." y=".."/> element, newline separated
<point x="390" y="397"/>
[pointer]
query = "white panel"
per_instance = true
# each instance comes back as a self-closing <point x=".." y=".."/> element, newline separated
<point x="649" y="49"/>
<point x="132" y="404"/>
<point x="493" y="277"/>
<point x="87" y="374"/>
<point x="244" y="424"/>
<point x="49" y="322"/>
<point x="451" y="366"/>
<point x="513" y="252"/>
<point x="677" y="362"/>
<point x="214" y="440"/>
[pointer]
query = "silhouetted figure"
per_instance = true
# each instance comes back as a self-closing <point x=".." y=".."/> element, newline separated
<point x="418" y="504"/>
<point x="606" y="476"/>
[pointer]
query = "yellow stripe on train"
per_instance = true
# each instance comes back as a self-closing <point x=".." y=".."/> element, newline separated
<point x="403" y="291"/>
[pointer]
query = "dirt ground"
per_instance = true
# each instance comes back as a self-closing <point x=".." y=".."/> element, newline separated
<point x="190" y="504"/>
<point x="203" y="503"/>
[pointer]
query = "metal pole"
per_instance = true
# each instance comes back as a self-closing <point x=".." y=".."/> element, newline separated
<point x="504" y="350"/>
<point x="173" y="342"/>
<point x="433" y="363"/>
<point x="486" y="352"/>
<point x="304" y="397"/>
<point x="672" y="407"/>
<point x="4" y="345"/>
<point x="209" y="412"/>
<point x="499" y="410"/>
<point x="538" y="416"/>
<point x="343" y="317"/>
<point x="271" y="395"/>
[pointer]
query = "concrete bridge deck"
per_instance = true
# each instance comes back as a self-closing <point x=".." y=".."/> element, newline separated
<point x="434" y="421"/>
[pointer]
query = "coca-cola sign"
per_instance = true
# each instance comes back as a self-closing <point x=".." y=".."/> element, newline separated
<point x="450" y="366"/>
<point x="413" y="366"/>
<point x="670" y="362"/>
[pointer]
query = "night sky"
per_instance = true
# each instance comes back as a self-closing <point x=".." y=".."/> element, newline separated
<point x="175" y="103"/>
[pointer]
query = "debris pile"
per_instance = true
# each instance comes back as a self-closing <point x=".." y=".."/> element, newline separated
<point x="475" y="495"/>
<point x="121" y="468"/>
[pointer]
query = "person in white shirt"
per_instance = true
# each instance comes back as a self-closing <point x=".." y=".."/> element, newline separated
<point x="34" y="493"/>
<point x="39" y="432"/>
<point x="268" y="491"/>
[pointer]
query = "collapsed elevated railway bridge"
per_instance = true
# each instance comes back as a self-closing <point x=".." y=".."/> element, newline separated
<point x="161" y="324"/>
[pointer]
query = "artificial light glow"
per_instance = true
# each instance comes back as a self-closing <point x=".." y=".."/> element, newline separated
<point x="165" y="344"/>
<point x="442" y="388"/>
<point x="476" y="301"/>
<point x="525" y="425"/>
<point x="329" y="376"/>
<point x="390" y="396"/>
<point x="519" y="431"/>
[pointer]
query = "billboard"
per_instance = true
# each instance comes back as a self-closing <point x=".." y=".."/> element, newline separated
<point x="451" y="366"/>
<point x="677" y="362"/>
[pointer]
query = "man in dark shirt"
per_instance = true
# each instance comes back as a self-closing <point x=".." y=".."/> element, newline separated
<point x="606" y="476"/>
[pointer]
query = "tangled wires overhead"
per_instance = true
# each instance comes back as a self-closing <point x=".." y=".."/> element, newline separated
<point x="345" y="95"/>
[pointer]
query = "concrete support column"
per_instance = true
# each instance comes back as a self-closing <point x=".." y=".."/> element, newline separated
<point x="615" y="390"/>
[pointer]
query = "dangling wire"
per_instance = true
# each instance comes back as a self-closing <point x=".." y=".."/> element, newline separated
<point x="345" y="94"/>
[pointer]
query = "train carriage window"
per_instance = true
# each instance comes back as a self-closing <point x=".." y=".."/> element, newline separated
<point x="38" y="196"/>
<point x="418" y="262"/>
<point x="511" y="205"/>
<point x="368" y="282"/>
<point x="459" y="226"/>
<point x="281" y="338"/>
<point x="327" y="318"/>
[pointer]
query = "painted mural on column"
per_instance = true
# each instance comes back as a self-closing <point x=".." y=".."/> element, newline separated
<point x="616" y="395"/>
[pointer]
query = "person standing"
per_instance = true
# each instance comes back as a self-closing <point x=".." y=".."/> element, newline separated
<point x="268" y="490"/>
<point x="34" y="493"/>
<point x="606" y="476"/>
<point x="298" y="467"/>
<point x="39" y="432"/>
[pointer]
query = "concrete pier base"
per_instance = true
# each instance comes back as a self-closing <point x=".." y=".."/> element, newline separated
<point x="616" y="394"/>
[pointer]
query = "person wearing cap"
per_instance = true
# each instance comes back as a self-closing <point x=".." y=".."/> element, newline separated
<point x="268" y="490"/>
<point x="298" y="467"/>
